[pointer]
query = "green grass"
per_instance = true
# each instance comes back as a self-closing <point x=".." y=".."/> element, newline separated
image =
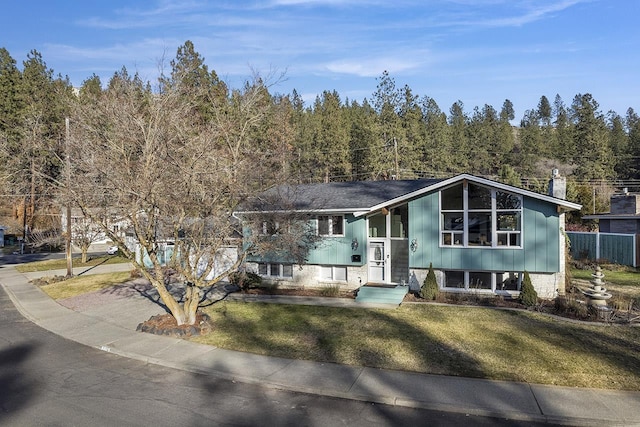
<point x="79" y="285"/>
<point x="619" y="277"/>
<point x="58" y="264"/>
<point x="448" y="340"/>
<point x="622" y="282"/>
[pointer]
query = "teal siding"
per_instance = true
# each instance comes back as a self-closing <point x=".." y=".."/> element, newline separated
<point x="337" y="250"/>
<point x="330" y="250"/>
<point x="540" y="237"/>
<point x="424" y="227"/>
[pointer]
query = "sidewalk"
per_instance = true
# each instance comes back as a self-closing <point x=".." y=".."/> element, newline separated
<point x="112" y="329"/>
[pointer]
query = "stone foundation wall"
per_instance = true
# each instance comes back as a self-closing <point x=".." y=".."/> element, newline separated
<point x="547" y="285"/>
<point x="307" y="276"/>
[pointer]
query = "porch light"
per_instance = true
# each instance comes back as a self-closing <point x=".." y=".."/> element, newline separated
<point x="354" y="244"/>
<point x="414" y="245"/>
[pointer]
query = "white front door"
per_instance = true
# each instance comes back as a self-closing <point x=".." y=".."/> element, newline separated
<point x="377" y="261"/>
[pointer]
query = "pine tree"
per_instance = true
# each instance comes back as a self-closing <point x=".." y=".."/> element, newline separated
<point x="460" y="138"/>
<point x="595" y="160"/>
<point x="528" y="294"/>
<point x="438" y="148"/>
<point x="429" y="289"/>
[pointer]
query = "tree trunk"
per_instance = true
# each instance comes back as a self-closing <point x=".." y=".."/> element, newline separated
<point x="192" y="299"/>
<point x="32" y="199"/>
<point x="177" y="311"/>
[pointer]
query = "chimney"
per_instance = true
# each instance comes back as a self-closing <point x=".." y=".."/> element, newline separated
<point x="557" y="185"/>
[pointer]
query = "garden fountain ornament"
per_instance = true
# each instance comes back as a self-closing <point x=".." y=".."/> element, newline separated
<point x="597" y="296"/>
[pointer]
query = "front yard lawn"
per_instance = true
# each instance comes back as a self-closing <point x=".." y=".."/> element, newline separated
<point x="447" y="340"/>
<point x="79" y="285"/>
<point x="624" y="281"/>
<point x="60" y="264"/>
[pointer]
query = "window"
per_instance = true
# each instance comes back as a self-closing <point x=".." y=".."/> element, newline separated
<point x="273" y="270"/>
<point x="480" y="280"/>
<point x="270" y="228"/>
<point x="473" y="215"/>
<point x="454" y="279"/>
<point x="452" y="216"/>
<point x="378" y="225"/>
<point x="330" y="225"/>
<point x="508" y="281"/>
<point x="505" y="282"/>
<point x="400" y="221"/>
<point x="508" y="219"/>
<point x="333" y="273"/>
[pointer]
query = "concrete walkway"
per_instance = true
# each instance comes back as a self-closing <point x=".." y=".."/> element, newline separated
<point x="112" y="328"/>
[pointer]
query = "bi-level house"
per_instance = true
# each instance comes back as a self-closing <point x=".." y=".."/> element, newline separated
<point x="479" y="235"/>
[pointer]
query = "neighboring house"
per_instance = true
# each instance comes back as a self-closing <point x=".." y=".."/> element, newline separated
<point x="624" y="217"/>
<point x="479" y="235"/>
<point x="618" y="236"/>
<point x="224" y="259"/>
<point x="82" y="229"/>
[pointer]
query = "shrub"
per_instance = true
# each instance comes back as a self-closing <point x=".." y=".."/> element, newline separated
<point x="429" y="289"/>
<point x="245" y="280"/>
<point x="330" y="291"/>
<point x="528" y="295"/>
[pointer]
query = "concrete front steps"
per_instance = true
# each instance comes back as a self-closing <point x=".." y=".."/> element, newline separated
<point x="379" y="294"/>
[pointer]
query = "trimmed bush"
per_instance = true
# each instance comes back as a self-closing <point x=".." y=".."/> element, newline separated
<point x="429" y="289"/>
<point x="528" y="295"/>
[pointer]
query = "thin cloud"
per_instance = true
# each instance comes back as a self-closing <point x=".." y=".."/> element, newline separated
<point x="511" y="13"/>
<point x="372" y="67"/>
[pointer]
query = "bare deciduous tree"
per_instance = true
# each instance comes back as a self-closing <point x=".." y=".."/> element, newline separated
<point x="172" y="170"/>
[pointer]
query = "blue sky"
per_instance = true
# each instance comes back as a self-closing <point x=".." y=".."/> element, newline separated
<point x="477" y="51"/>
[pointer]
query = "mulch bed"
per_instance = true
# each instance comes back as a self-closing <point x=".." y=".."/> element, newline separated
<point x="165" y="324"/>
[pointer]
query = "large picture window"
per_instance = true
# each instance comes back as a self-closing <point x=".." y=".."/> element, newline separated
<point x="472" y="215"/>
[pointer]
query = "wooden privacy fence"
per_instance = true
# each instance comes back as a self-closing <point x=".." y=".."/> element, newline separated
<point x="616" y="248"/>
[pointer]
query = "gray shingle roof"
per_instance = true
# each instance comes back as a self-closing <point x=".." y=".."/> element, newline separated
<point x="334" y="196"/>
<point x="359" y="197"/>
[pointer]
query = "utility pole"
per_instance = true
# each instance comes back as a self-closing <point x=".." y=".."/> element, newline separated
<point x="395" y="148"/>
<point x="68" y="239"/>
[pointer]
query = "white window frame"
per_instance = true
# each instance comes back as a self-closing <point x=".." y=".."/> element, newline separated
<point x="331" y="223"/>
<point x="499" y="239"/>
<point x="274" y="267"/>
<point x="264" y="231"/>
<point x="334" y="271"/>
<point x="494" y="289"/>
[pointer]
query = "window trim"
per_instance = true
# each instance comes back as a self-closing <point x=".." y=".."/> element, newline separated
<point x="333" y="273"/>
<point x="494" y="289"/>
<point x="269" y="268"/>
<point x="330" y="225"/>
<point x="454" y="238"/>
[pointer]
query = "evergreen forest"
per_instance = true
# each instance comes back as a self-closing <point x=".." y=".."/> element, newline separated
<point x="393" y="134"/>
